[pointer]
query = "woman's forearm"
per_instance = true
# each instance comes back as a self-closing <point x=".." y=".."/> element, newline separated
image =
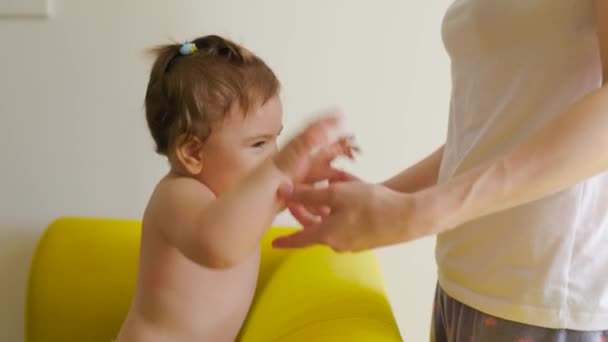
<point x="571" y="148"/>
<point x="420" y="176"/>
<point x="601" y="10"/>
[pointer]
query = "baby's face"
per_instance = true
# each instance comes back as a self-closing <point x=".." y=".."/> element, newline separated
<point x="241" y="143"/>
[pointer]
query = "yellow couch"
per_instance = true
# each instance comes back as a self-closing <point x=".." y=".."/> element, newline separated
<point x="83" y="275"/>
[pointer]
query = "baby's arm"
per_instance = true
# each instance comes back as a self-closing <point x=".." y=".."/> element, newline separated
<point x="221" y="232"/>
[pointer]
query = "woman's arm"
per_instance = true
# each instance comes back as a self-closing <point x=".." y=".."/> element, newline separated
<point x="570" y="149"/>
<point x="418" y="177"/>
<point x="601" y="8"/>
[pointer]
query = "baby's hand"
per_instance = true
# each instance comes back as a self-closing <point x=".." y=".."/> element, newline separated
<point x="307" y="159"/>
<point x="320" y="167"/>
<point x="308" y="156"/>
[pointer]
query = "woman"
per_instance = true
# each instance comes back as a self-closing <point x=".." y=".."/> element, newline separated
<point x="518" y="195"/>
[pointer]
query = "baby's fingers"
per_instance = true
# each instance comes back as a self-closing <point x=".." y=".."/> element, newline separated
<point x="289" y="159"/>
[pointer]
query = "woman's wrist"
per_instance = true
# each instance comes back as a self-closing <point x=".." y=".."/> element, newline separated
<point x="450" y="204"/>
<point x="415" y="215"/>
<point x="431" y="213"/>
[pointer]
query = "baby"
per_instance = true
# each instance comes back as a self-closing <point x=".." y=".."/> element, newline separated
<point x="213" y="109"/>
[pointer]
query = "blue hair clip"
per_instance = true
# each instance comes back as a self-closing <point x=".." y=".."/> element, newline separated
<point x="187" y="49"/>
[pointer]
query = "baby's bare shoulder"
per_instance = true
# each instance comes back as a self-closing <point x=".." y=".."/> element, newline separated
<point x="176" y="201"/>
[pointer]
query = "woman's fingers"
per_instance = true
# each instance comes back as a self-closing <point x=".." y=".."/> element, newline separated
<point x="300" y="239"/>
<point x="303" y="215"/>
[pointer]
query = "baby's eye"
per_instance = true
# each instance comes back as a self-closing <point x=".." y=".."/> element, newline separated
<point x="259" y="144"/>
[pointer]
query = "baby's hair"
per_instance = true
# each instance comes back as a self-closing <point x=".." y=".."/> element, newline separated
<point x="190" y="90"/>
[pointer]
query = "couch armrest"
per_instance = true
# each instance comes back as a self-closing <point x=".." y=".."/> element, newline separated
<point x="83" y="275"/>
<point x="81" y="280"/>
<point x="318" y="295"/>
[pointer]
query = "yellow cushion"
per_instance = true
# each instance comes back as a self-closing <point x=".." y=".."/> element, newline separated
<point x="81" y="280"/>
<point x="83" y="275"/>
<point x="317" y="295"/>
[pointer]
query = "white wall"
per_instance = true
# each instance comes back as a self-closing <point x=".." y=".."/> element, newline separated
<point x="73" y="139"/>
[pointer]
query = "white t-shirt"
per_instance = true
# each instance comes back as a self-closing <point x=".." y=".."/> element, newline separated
<point x="517" y="64"/>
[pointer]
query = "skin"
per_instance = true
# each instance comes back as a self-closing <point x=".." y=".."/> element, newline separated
<point x="571" y="148"/>
<point x="202" y="227"/>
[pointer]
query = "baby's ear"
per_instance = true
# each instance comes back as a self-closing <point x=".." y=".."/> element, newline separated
<point x="189" y="152"/>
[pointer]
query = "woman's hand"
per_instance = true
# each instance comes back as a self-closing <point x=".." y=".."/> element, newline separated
<point x="362" y="216"/>
<point x="307" y="215"/>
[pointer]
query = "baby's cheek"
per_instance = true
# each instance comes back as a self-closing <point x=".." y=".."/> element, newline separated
<point x="247" y="165"/>
<point x="257" y="159"/>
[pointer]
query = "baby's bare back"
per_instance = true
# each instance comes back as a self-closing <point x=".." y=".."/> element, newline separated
<point x="179" y="300"/>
